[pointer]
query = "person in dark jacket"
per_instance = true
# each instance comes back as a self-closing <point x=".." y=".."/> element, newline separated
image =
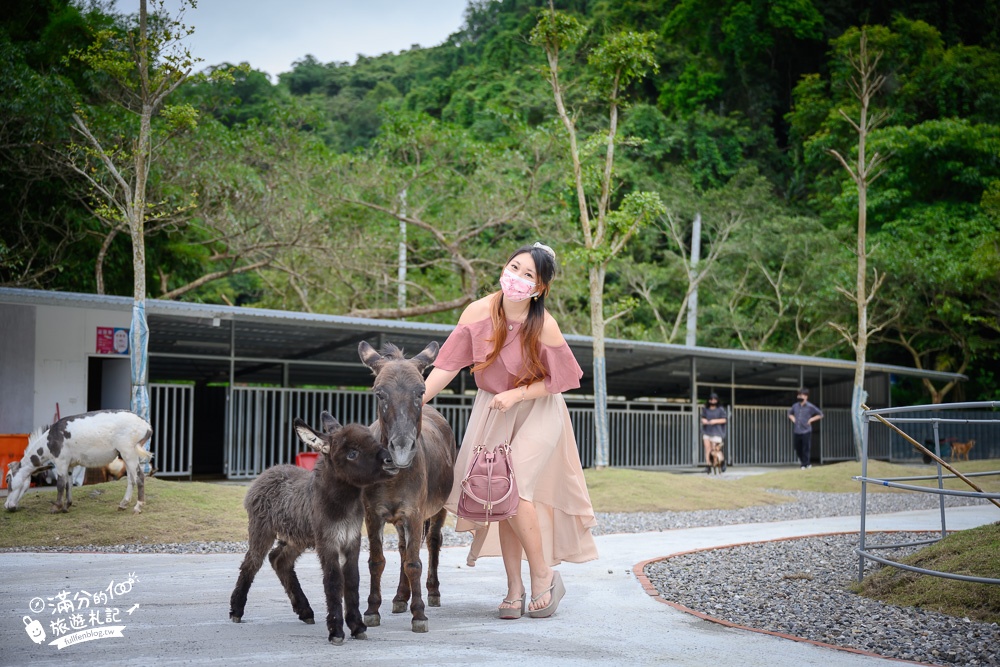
<point x="803" y="415"/>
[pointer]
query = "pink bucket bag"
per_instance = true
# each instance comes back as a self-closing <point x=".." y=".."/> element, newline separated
<point x="489" y="490"/>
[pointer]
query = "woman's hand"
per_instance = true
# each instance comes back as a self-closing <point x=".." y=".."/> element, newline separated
<point x="506" y="400"/>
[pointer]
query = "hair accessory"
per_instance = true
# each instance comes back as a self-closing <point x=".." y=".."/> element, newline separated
<point x="550" y="251"/>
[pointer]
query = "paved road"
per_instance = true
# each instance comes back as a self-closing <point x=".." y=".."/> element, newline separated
<point x="179" y="610"/>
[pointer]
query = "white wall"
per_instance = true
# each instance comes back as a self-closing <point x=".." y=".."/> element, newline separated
<point x="64" y="339"/>
<point x="17" y="368"/>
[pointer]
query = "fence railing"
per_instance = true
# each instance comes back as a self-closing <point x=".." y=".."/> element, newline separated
<point x="640" y="434"/>
<point x="261" y="428"/>
<point x="171" y="414"/>
<point x="904" y="419"/>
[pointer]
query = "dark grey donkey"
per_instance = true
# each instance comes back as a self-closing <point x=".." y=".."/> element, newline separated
<point x="321" y="508"/>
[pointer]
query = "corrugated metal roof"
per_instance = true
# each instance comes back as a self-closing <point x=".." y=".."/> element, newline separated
<point x="192" y="341"/>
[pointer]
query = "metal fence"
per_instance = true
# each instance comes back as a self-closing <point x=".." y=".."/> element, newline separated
<point x="963" y="426"/>
<point x="641" y="435"/>
<point x="261" y="423"/>
<point x="907" y="420"/>
<point x="759" y="436"/>
<point x="171" y="414"/>
<point x="763" y="436"/>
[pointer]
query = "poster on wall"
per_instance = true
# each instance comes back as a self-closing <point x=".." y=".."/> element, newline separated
<point x="112" y="340"/>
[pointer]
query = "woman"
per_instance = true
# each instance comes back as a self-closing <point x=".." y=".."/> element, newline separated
<point x="713" y="428"/>
<point x="522" y="364"/>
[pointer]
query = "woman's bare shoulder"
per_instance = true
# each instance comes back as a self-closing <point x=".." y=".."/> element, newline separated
<point x="477" y="311"/>
<point x="551" y="334"/>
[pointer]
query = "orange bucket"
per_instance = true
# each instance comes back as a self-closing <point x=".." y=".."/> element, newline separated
<point x="12" y="448"/>
<point x="306" y="460"/>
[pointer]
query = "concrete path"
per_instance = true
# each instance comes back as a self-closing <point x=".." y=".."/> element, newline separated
<point x="176" y="610"/>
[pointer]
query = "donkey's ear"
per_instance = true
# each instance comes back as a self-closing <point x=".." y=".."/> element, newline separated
<point x="369" y="357"/>
<point x="311" y="438"/>
<point x="330" y="423"/>
<point x="426" y="357"/>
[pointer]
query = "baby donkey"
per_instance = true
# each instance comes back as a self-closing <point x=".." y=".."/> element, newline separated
<point x="320" y="508"/>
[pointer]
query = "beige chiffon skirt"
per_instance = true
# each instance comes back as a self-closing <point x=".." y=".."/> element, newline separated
<point x="548" y="473"/>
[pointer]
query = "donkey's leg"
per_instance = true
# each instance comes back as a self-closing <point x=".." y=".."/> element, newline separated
<point x="434" y="541"/>
<point x="260" y="541"/>
<point x="140" y="486"/>
<point x="402" y="598"/>
<point x="283" y="558"/>
<point x="61" y="482"/>
<point x="414" y="569"/>
<point x="131" y="464"/>
<point x="333" y="586"/>
<point x="69" y="488"/>
<point x="352" y="592"/>
<point x="376" y="565"/>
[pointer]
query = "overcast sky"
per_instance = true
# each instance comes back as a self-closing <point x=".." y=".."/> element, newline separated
<point x="272" y="34"/>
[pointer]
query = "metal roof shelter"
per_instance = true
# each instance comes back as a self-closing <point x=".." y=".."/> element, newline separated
<point x="210" y="343"/>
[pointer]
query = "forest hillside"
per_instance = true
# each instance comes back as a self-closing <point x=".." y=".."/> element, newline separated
<point x="294" y="193"/>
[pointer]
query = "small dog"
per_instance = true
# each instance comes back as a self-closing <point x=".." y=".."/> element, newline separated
<point x="716" y="459"/>
<point x="960" y="449"/>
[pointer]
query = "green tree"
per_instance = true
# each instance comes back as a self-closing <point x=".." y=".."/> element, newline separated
<point x="616" y="63"/>
<point x="143" y="64"/>
<point x="865" y="85"/>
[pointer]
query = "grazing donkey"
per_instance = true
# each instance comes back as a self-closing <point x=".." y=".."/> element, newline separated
<point x="315" y="508"/>
<point x="93" y="439"/>
<point x="422" y="445"/>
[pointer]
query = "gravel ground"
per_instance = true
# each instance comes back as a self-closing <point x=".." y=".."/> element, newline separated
<point x="801" y="587"/>
<point x="798" y="587"/>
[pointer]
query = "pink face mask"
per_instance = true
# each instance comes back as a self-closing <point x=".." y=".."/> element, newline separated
<point x="515" y="287"/>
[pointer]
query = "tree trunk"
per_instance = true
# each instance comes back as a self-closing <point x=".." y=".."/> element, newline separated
<point x="859" y="396"/>
<point x="139" y="331"/>
<point x="601" y="439"/>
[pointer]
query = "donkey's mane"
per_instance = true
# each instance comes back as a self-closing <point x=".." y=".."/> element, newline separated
<point x="37" y="433"/>
<point x="391" y="352"/>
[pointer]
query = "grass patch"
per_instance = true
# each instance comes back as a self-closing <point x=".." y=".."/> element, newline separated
<point x="974" y="552"/>
<point x="198" y="511"/>
<point x="837" y="477"/>
<point x="624" y="490"/>
<point x="175" y="512"/>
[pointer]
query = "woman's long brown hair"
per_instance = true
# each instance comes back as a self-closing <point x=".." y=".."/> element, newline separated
<point x="533" y="371"/>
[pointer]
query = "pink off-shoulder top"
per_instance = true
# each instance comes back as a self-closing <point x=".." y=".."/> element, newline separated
<point x="469" y="344"/>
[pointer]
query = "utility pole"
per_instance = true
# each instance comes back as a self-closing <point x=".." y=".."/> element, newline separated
<point x="692" y="320"/>
<point x="401" y="270"/>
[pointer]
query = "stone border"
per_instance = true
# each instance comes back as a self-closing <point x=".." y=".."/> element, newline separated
<point x="639" y="571"/>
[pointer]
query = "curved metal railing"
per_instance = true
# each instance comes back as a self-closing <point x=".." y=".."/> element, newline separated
<point x="887" y="417"/>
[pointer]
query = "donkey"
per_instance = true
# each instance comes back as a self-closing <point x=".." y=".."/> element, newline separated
<point x="93" y="439"/>
<point x="319" y="508"/>
<point x="422" y="445"/>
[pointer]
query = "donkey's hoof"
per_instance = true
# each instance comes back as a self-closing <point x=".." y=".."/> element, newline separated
<point x="121" y="508"/>
<point x="336" y="641"/>
<point x="398" y="607"/>
<point x="235" y="619"/>
<point x="309" y="621"/>
<point x="419" y="626"/>
<point x="433" y="600"/>
<point x="373" y="620"/>
<point x="361" y="635"/>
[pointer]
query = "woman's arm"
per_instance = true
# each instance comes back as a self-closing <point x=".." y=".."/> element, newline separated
<point x="437" y="380"/>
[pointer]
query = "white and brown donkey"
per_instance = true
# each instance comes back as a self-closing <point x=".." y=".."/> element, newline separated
<point x="92" y="439"/>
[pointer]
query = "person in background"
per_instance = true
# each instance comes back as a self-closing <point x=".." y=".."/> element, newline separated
<point x="803" y="415"/>
<point x="521" y="364"/>
<point x="713" y="427"/>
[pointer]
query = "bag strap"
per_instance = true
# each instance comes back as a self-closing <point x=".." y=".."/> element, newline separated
<point x="479" y="439"/>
